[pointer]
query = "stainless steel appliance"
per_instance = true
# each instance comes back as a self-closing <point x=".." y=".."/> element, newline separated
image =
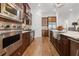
<point x="10" y="41"/>
<point x="10" y="11"/>
<point x="2" y="51"/>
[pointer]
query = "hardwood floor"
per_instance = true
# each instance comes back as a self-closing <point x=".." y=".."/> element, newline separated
<point x="41" y="47"/>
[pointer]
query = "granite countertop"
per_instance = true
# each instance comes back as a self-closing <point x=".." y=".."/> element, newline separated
<point x="27" y="31"/>
<point x="24" y="31"/>
<point x="7" y="31"/>
<point x="72" y="34"/>
<point x="58" y="31"/>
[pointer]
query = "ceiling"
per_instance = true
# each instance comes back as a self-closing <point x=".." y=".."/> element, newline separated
<point x="46" y="8"/>
<point x="50" y="9"/>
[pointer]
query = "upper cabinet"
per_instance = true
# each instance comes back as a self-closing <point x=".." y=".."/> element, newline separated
<point x="52" y="19"/>
<point x="27" y="14"/>
<point x="44" y="21"/>
<point x="52" y="23"/>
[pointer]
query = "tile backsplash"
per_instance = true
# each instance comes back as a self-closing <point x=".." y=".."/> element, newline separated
<point x="7" y="25"/>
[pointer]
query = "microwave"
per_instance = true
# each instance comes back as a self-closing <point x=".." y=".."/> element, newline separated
<point x="10" y="11"/>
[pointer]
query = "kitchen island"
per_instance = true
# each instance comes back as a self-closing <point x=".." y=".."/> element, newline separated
<point x="66" y="43"/>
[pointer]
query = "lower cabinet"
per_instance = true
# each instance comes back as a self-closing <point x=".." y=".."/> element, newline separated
<point x="18" y="52"/>
<point x="62" y="45"/>
<point x="45" y="33"/>
<point x="52" y="39"/>
<point x="65" y="46"/>
<point x="51" y="36"/>
<point x="26" y="39"/>
<point x="25" y="44"/>
<point x="74" y="48"/>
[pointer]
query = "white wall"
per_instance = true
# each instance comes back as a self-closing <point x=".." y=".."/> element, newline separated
<point x="36" y="22"/>
<point x="39" y="11"/>
<point x="65" y="15"/>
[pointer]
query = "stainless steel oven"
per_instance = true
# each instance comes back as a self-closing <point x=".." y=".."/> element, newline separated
<point x="2" y="51"/>
<point x="10" y="11"/>
<point x="10" y="41"/>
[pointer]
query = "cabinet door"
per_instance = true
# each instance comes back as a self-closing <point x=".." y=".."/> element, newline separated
<point x="44" y="21"/>
<point x="74" y="48"/>
<point x="51" y="36"/>
<point x="51" y="19"/>
<point x="45" y="33"/>
<point x="0" y="7"/>
<point x="24" y="40"/>
<point x="28" y="38"/>
<point x="27" y="22"/>
<point x="65" y="50"/>
<point x="20" y="5"/>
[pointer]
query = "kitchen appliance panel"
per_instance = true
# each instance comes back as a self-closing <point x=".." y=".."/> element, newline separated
<point x="10" y="40"/>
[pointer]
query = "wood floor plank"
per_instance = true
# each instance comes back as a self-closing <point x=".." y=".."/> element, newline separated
<point x="41" y="47"/>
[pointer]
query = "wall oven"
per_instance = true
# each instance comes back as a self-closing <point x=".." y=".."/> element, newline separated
<point x="10" y="42"/>
<point x="10" y="11"/>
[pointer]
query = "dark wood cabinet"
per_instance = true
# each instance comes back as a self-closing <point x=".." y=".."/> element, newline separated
<point x="52" y="38"/>
<point x="26" y="40"/>
<point x="18" y="52"/>
<point x="52" y="19"/>
<point x="62" y="45"/>
<point x="45" y="33"/>
<point x="57" y="43"/>
<point x="65" y="45"/>
<point x="44" y="21"/>
<point x="74" y="48"/>
<point x="25" y="44"/>
<point x="20" y="5"/>
<point x="0" y="7"/>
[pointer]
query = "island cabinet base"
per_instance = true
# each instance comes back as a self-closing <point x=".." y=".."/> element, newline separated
<point x="65" y="46"/>
<point x="55" y="42"/>
<point x="62" y="45"/>
<point x="74" y="48"/>
<point x="51" y="37"/>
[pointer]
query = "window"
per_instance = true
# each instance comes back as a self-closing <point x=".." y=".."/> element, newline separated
<point x="52" y="25"/>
